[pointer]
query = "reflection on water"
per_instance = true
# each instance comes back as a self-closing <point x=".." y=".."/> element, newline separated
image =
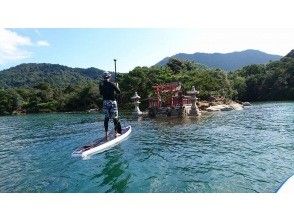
<point x="113" y="172"/>
<point x="238" y="151"/>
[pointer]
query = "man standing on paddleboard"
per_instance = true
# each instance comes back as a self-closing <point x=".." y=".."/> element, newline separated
<point x="108" y="90"/>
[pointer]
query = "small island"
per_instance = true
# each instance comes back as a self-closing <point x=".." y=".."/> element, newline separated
<point x="169" y="100"/>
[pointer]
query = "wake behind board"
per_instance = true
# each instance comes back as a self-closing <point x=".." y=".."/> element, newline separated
<point x="102" y="144"/>
<point x="287" y="186"/>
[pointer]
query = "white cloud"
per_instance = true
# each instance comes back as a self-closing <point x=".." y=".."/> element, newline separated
<point x="11" y="46"/>
<point x="43" y="43"/>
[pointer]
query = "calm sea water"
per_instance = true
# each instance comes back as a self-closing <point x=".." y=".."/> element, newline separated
<point x="238" y="151"/>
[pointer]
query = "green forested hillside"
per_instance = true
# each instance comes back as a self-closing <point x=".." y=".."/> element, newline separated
<point x="274" y="81"/>
<point x="29" y="75"/>
<point x="43" y="88"/>
<point x="48" y="87"/>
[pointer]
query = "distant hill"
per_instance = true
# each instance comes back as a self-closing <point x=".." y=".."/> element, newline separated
<point x="31" y="74"/>
<point x="226" y="61"/>
<point x="290" y="54"/>
<point x="271" y="82"/>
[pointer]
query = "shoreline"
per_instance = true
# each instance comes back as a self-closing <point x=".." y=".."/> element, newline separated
<point x="130" y="110"/>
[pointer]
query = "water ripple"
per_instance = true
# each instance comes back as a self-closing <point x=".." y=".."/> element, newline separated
<point x="237" y="151"/>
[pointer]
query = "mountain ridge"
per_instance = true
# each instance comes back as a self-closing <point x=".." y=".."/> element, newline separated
<point x="226" y="61"/>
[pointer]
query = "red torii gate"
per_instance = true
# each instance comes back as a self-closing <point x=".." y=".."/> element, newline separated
<point x="168" y="95"/>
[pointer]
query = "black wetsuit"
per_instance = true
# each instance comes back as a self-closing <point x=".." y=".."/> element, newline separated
<point x="108" y="90"/>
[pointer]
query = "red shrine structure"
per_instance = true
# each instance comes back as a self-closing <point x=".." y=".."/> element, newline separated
<point x="168" y="95"/>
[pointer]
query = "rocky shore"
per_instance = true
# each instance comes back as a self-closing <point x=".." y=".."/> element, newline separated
<point x="221" y="105"/>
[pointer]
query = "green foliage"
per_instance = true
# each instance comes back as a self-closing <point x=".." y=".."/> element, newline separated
<point x="207" y="81"/>
<point x="238" y="84"/>
<point x="9" y="101"/>
<point x="45" y="88"/>
<point x="43" y="98"/>
<point x="83" y="98"/>
<point x="48" y="87"/>
<point x="176" y="65"/>
<point x="30" y="75"/>
<point x="274" y="81"/>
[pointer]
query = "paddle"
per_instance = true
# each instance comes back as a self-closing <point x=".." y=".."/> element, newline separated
<point x="118" y="96"/>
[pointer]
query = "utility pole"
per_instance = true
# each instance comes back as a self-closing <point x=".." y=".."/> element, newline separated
<point x="114" y="69"/>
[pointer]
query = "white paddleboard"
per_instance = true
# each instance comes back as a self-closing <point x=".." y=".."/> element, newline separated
<point x="288" y="186"/>
<point x="102" y="144"/>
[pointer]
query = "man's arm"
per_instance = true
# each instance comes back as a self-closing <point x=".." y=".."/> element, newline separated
<point x="117" y="90"/>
